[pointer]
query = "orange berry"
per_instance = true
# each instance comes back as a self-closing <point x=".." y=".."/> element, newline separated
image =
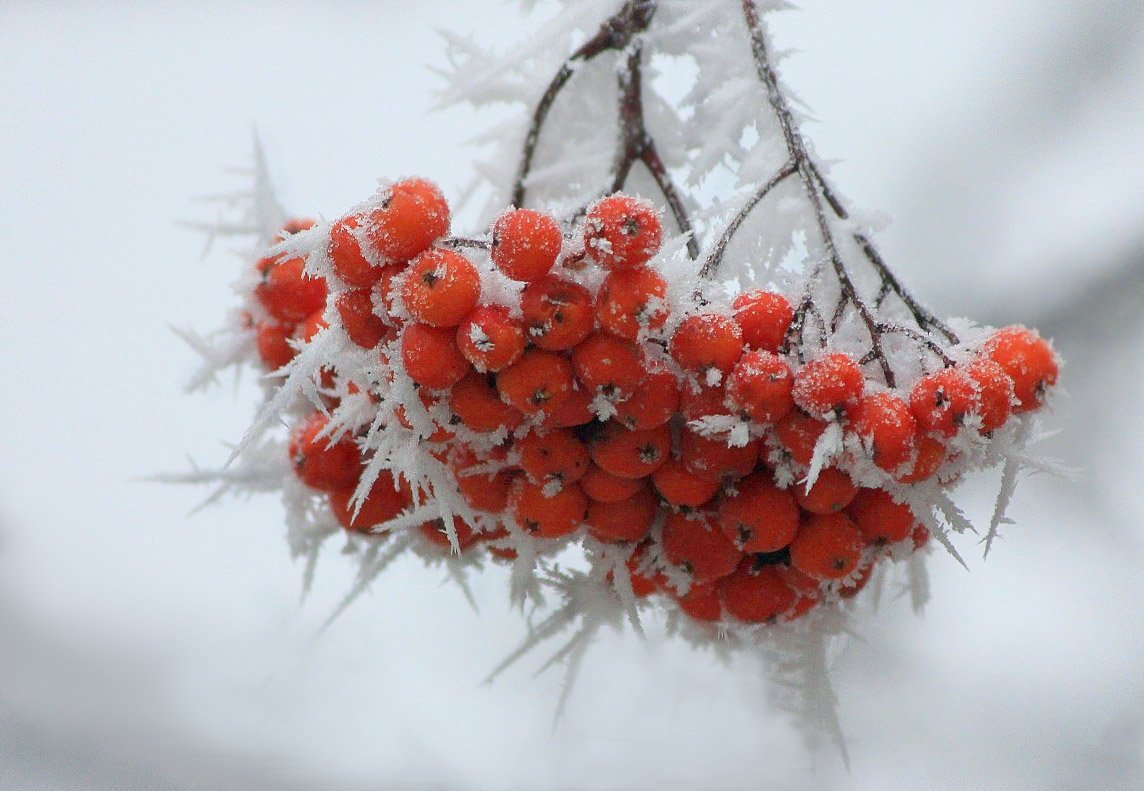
<point x="827" y="385"/>
<point x="321" y="463"/>
<point x="498" y="552"/>
<point x="654" y="401"/>
<point x="832" y="491"/>
<point x="642" y="584"/>
<point x="311" y="326"/>
<point x="483" y="491"/>
<point x="764" y="317"/>
<point x="603" y="487"/>
<point x="273" y="342"/>
<point x="1029" y="361"/>
<point x="630" y="454"/>
<point x="930" y="453"/>
<point x="292" y="226"/>
<point x="387" y="498"/>
<point x="759" y="387"/>
<point x="490" y="338"/>
<point x="346" y="257"/>
<point x="886" y="427"/>
<point x="693" y="542"/>
<point x="701" y="602"/>
<point x="525" y="243"/>
<point x="630" y="300"/>
<point x="622" y="232"/>
<point x="702" y="401"/>
<point x="538" y="382"/>
<point x="880" y="518"/>
<point x="608" y="365"/>
<point x="441" y="287"/>
<point x="383" y="294"/>
<point x="625" y="520"/>
<point x="713" y="458"/>
<point x="286" y="291"/>
<point x="800" y="583"/>
<point x="758" y="516"/>
<point x="755" y="595"/>
<point x="438" y="536"/>
<point x="575" y="410"/>
<point x="798" y="434"/>
<point x="707" y="341"/>
<point x="358" y="319"/>
<point x="827" y="547"/>
<point x="413" y="214"/>
<point x="547" y="515"/>
<point x="557" y="313"/>
<point x="438" y="433"/>
<point x="431" y="356"/>
<point x="851" y="589"/>
<point x="679" y="487"/>
<point x="993" y="396"/>
<point x="554" y="456"/>
<point x="940" y="401"/>
<point x="479" y="407"/>
<point x="919" y="536"/>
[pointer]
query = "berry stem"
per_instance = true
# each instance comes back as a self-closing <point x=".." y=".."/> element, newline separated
<point x="715" y="258"/>
<point x="462" y="241"/>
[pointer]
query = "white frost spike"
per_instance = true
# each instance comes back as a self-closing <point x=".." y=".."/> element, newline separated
<point x="1008" y="486"/>
<point x="828" y="446"/>
<point x="917" y="576"/>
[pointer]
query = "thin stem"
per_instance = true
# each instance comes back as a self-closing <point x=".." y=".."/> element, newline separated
<point x="462" y="241"/>
<point x="715" y="258"/>
<point x="918" y="337"/>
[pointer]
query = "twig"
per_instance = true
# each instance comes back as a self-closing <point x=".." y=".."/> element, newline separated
<point x="715" y="258"/>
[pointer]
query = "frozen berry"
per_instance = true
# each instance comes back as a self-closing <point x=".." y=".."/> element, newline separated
<point x="286" y="291"/>
<point x="679" y="487"/>
<point x="621" y="232"/>
<point x="431" y="356"/>
<point x="557" y="313"/>
<point x="625" y="520"/>
<point x="693" y="542"/>
<point x="441" y="287"/>
<point x="1029" y="361"/>
<point x="608" y="365"/>
<point x="346" y="256"/>
<point x="880" y="518"/>
<point x="319" y="461"/>
<point x="832" y="491"/>
<point x="827" y="547"/>
<point x="827" y="385"/>
<point x="764" y="317"/>
<point x="631" y="300"/>
<point x="755" y="595"/>
<point x="525" y="243"/>
<point x="758" y="516"/>
<point x="545" y="513"/>
<point x="885" y="426"/>
<point x="759" y="387"/>
<point x="490" y="338"/>
<point x="940" y="401"/>
<point x="387" y="498"/>
<point x="355" y="307"/>
<point x="538" y="382"/>
<point x="653" y="402"/>
<point x="413" y="214"/>
<point x="707" y="341"/>
<point x="630" y="454"/>
<point x="553" y="456"/>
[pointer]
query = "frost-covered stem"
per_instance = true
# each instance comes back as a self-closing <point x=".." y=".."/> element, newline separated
<point x="715" y="258"/>
<point x="924" y="318"/>
<point x="798" y="153"/>
<point x="637" y="145"/>
<point x="461" y="241"/>
<point x="615" y="34"/>
<point x="918" y="337"/>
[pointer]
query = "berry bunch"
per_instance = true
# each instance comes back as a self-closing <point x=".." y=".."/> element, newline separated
<point x="545" y="383"/>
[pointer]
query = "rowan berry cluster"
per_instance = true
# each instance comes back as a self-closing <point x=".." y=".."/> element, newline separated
<point x="543" y="384"/>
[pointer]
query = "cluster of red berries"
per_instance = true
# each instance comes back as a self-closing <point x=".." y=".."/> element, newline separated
<point x="551" y="375"/>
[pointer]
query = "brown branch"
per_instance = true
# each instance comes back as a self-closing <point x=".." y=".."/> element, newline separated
<point x="918" y="337"/>
<point x="461" y="241"/>
<point x="715" y="258"/>
<point x="614" y="34"/>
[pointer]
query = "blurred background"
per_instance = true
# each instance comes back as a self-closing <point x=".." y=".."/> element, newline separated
<point x="142" y="647"/>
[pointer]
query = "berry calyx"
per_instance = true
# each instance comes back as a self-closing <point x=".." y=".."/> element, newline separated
<point x="525" y="244"/>
<point x="622" y="232"/>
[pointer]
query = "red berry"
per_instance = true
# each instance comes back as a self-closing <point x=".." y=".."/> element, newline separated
<point x="485" y="492"/>
<point x="832" y="491"/>
<point x="993" y="398"/>
<point x="881" y="519"/>
<point x="310" y="326"/>
<point x="490" y="338"/>
<point x="383" y="293"/>
<point x="702" y="401"/>
<point x="575" y="410"/>
<point x="538" y="382"/>
<point x="886" y="427"/>
<point x="755" y="596"/>
<point x="431" y="356"/>
<point x="437" y="535"/>
<point x="525" y="243"/>
<point x="798" y="434"/>
<point x="626" y="520"/>
<point x="631" y="300"/>
<point x="608" y="365"/>
<point x="387" y="498"/>
<point x="764" y="317"/>
<point x="622" y="232"/>
<point x="273" y="342"/>
<point x="1029" y="361"/>
<point x="287" y="293"/>
<point x="630" y="454"/>
<point x="441" y="287"/>
<point x="557" y="313"/>
<point x="292" y="226"/>
<point x="940" y="401"/>
<point x="642" y="584"/>
<point x="707" y="341"/>
<point x="701" y="602"/>
<point x="827" y="385"/>
<point x="758" y="517"/>
<point x="852" y="588"/>
<point x="479" y="407"/>
<point x="693" y="542"/>
<point x="544" y="513"/>
<point x="346" y="257"/>
<point x="713" y="458"/>
<point x="321" y="463"/>
<point x="603" y="487"/>
<point x="413" y="215"/>
<point x="554" y="456"/>
<point x="919" y="536"/>
<point x="358" y="319"/>
<point x="827" y="547"/>
<point x="654" y="401"/>
<point x="759" y="387"/>
<point x="679" y="487"/>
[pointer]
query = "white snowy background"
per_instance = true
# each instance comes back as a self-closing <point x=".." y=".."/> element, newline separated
<point x="144" y="648"/>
